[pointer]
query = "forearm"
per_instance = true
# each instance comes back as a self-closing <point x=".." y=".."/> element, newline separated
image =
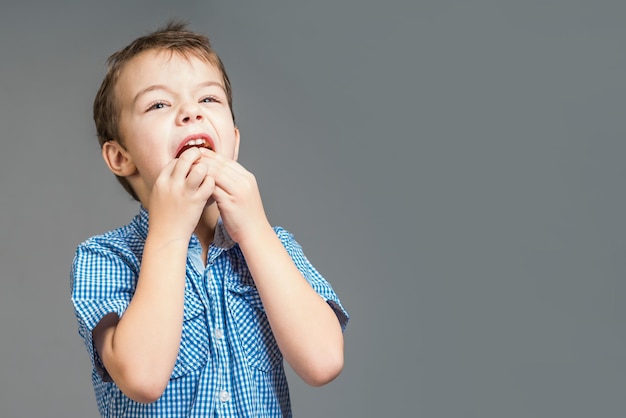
<point x="306" y="329"/>
<point x="144" y="344"/>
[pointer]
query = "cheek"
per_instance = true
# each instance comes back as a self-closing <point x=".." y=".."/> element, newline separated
<point x="150" y="163"/>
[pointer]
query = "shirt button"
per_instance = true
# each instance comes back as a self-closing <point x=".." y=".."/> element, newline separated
<point x="224" y="396"/>
<point x="218" y="334"/>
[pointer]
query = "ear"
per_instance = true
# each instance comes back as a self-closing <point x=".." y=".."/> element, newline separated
<point x="117" y="159"/>
<point x="237" y="138"/>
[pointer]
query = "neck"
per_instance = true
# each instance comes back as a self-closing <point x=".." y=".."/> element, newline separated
<point x="205" y="230"/>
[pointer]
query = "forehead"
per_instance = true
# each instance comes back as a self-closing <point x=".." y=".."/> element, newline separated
<point x="158" y="66"/>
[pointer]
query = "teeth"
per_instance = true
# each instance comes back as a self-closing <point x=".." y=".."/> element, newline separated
<point x="195" y="142"/>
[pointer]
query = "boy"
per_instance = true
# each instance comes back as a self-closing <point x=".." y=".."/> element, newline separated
<point x="190" y="308"/>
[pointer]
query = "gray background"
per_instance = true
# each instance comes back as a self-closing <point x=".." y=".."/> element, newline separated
<point x="454" y="168"/>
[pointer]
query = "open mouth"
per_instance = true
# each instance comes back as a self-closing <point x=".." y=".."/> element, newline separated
<point x="194" y="142"/>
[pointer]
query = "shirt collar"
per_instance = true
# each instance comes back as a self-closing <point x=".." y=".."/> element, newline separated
<point x="221" y="239"/>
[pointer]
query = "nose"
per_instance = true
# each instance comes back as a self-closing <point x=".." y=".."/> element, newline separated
<point x="189" y="113"/>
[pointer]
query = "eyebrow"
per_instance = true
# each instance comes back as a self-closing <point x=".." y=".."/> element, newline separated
<point x="165" y="88"/>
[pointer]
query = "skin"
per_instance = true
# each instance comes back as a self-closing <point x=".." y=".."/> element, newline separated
<point x="164" y="98"/>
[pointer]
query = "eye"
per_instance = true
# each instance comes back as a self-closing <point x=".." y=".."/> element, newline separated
<point x="157" y="105"/>
<point x="210" y="99"/>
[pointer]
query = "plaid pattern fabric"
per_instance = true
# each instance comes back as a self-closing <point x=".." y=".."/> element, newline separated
<point x="229" y="364"/>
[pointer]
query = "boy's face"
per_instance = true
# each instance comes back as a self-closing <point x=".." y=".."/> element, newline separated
<point x="166" y="100"/>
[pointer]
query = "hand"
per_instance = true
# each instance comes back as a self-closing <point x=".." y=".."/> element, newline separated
<point x="237" y="196"/>
<point x="179" y="195"/>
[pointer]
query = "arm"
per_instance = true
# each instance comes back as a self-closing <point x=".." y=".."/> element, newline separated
<point x="306" y="328"/>
<point x="139" y="349"/>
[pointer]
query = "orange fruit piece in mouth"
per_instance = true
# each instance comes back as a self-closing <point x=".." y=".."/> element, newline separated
<point x="186" y="147"/>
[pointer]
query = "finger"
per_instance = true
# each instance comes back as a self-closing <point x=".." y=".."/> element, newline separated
<point x="220" y="195"/>
<point x="166" y="171"/>
<point x="237" y="182"/>
<point x="228" y="174"/>
<point x="196" y="176"/>
<point x="183" y="164"/>
<point x="207" y="187"/>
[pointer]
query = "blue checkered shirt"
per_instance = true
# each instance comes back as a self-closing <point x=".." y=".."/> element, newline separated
<point x="228" y="363"/>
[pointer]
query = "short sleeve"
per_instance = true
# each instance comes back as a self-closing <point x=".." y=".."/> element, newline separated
<point x="315" y="279"/>
<point x="103" y="279"/>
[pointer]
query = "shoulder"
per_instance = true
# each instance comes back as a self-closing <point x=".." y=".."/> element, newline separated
<point x="287" y="239"/>
<point x="123" y="244"/>
<point x="282" y="233"/>
<point x="112" y="255"/>
<point x="129" y="237"/>
<point x="117" y="239"/>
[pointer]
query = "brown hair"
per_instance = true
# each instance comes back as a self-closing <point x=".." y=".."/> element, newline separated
<point x="173" y="37"/>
